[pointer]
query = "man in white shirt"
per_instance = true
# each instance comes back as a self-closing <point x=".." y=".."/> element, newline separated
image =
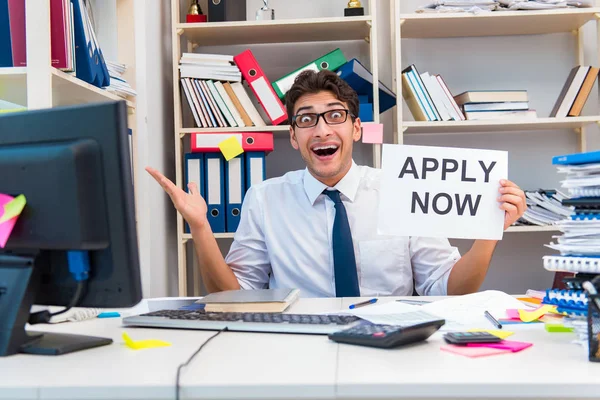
<point x="316" y="229"/>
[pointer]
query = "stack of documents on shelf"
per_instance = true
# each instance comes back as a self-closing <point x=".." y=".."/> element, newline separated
<point x="118" y="84"/>
<point x="575" y="92"/>
<point x="428" y="97"/>
<point x="473" y="6"/>
<point x="544" y="207"/>
<point x="209" y="66"/>
<point x="495" y="104"/>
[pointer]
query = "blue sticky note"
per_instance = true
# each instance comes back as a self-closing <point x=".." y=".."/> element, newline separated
<point x="109" y="315"/>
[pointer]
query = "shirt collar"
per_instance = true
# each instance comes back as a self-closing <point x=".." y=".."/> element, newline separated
<point x="348" y="185"/>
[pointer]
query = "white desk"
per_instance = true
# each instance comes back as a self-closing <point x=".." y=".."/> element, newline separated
<point x="270" y="366"/>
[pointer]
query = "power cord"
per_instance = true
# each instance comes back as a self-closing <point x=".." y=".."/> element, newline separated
<point x="189" y="360"/>
<point x="79" y="267"/>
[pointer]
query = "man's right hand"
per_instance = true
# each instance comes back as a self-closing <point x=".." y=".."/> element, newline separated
<point x="190" y="205"/>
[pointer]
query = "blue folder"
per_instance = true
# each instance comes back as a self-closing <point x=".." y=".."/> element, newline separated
<point x="214" y="173"/>
<point x="5" y="43"/>
<point x="255" y="168"/>
<point x="365" y="112"/>
<point x="235" y="188"/>
<point x="577" y="158"/>
<point x="89" y="61"/>
<point x="194" y="172"/>
<point x="361" y="80"/>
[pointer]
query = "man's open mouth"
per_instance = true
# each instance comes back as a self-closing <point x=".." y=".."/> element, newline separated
<point x="325" y="151"/>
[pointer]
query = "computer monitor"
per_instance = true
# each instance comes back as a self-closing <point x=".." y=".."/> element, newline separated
<point x="72" y="164"/>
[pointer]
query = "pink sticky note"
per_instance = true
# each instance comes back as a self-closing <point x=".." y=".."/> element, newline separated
<point x="512" y="313"/>
<point x="372" y="133"/>
<point x="7" y="226"/>
<point x="473" y="351"/>
<point x="511" y="345"/>
<point x="5" y="230"/>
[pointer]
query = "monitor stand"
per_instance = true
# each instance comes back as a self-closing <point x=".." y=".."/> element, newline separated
<point x="19" y="281"/>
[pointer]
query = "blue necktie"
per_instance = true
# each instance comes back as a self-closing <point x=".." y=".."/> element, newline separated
<point x="344" y="262"/>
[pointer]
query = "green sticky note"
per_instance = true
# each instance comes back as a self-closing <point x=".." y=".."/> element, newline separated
<point x="13" y="208"/>
<point x="559" y="328"/>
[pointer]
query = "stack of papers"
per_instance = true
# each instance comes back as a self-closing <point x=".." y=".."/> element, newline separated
<point x="118" y="84"/>
<point x="543" y="209"/>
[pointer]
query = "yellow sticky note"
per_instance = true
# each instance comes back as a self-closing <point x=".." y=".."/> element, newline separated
<point x="13" y="208"/>
<point x="231" y="147"/>
<point x="143" y="344"/>
<point x="529" y="316"/>
<point x="495" y="332"/>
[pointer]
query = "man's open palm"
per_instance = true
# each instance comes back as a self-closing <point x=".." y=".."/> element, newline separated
<point x="190" y="205"/>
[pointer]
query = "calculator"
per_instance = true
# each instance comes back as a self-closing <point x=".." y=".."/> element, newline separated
<point x="387" y="336"/>
<point x="470" y="337"/>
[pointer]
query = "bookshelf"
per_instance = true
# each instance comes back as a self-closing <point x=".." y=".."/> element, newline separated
<point x="188" y="36"/>
<point x="504" y="23"/>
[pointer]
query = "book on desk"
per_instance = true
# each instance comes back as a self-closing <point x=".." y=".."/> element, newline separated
<point x="261" y="300"/>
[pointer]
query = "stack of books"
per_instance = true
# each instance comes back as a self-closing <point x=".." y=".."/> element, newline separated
<point x="575" y="92"/>
<point x="495" y="104"/>
<point x="213" y="87"/>
<point x="428" y="97"/>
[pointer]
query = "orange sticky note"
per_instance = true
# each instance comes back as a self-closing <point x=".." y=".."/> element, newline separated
<point x="231" y="147"/>
<point x="143" y="344"/>
<point x="10" y="209"/>
<point x="372" y="133"/>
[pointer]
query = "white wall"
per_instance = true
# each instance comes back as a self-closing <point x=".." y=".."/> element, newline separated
<point x="539" y="64"/>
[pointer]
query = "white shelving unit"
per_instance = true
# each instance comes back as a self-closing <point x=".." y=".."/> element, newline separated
<point x="504" y="23"/>
<point x="39" y="85"/>
<point x="191" y="35"/>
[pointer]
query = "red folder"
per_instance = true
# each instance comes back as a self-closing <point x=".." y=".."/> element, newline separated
<point x="261" y="87"/>
<point x="251" y="141"/>
<point x="16" y="12"/>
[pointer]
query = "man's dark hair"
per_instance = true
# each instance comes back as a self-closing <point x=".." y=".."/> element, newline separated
<point x="311" y="82"/>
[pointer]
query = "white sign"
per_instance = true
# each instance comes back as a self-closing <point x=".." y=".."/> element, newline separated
<point x="441" y="192"/>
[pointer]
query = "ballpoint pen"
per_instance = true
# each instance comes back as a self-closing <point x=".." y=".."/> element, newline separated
<point x="362" y="303"/>
<point x="493" y="320"/>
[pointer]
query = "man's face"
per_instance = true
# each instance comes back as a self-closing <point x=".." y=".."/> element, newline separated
<point x="326" y="149"/>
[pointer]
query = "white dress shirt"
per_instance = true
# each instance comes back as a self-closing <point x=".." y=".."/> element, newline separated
<point x="284" y="240"/>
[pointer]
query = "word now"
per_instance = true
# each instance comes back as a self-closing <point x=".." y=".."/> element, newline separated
<point x="442" y="203"/>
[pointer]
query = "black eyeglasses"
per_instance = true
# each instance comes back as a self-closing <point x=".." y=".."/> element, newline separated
<point x="331" y="117"/>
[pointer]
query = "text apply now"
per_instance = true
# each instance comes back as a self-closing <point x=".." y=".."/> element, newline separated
<point x="441" y="192"/>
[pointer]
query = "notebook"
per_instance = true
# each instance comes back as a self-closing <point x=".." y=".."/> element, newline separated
<point x="260" y="300"/>
<point x="572" y="264"/>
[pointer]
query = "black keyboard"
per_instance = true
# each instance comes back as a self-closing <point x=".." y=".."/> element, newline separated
<point x="253" y="322"/>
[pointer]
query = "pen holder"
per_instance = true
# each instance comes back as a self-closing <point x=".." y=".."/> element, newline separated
<point x="594" y="327"/>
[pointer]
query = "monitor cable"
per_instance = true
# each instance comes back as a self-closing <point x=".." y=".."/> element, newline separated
<point x="79" y="267"/>
<point x="189" y="360"/>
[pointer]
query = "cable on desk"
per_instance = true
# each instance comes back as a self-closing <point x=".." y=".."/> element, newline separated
<point x="189" y="360"/>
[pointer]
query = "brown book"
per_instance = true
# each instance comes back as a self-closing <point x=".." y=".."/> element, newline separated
<point x="258" y="300"/>
<point x="237" y="104"/>
<point x="564" y="90"/>
<point x="584" y="92"/>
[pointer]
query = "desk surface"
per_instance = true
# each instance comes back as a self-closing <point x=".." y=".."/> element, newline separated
<point x="269" y="366"/>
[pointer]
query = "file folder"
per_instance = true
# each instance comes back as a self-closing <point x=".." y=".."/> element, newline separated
<point x="365" y="112"/>
<point x="16" y="12"/>
<point x="577" y="158"/>
<point x="84" y="52"/>
<point x="194" y="172"/>
<point x="255" y="168"/>
<point x="330" y="61"/>
<point x="5" y="43"/>
<point x="361" y="80"/>
<point x="250" y="141"/>
<point x="261" y="87"/>
<point x="214" y="169"/>
<point x="235" y="180"/>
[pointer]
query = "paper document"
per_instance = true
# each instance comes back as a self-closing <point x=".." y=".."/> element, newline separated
<point x="468" y="311"/>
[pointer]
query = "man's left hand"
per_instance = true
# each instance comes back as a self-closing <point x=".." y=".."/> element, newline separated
<point x="512" y="201"/>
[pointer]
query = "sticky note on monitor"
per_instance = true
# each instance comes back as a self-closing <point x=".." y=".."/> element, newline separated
<point x="10" y="209"/>
<point x="231" y="147"/>
<point x="372" y="133"/>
